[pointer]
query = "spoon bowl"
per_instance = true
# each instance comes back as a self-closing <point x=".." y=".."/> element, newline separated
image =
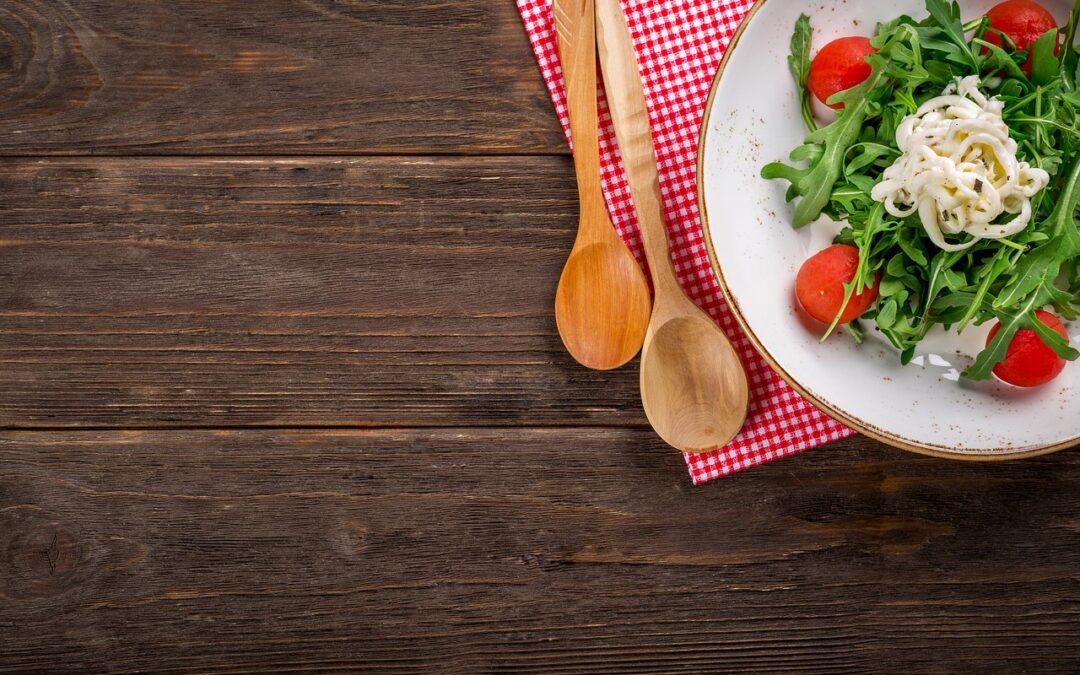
<point x="693" y="386"/>
<point x="602" y="305"/>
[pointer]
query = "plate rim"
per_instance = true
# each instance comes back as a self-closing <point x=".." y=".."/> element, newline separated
<point x="861" y="426"/>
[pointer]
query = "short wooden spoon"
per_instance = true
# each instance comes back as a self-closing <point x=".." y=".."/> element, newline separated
<point x="693" y="386"/>
<point x="602" y="305"/>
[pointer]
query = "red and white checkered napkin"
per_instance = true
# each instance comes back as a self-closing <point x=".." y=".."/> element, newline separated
<point x="679" y="44"/>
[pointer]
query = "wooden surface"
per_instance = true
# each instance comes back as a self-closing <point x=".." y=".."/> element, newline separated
<point x="280" y="390"/>
<point x="286" y="76"/>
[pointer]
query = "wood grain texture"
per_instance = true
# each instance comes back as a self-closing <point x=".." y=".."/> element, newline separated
<point x="270" y="77"/>
<point x="292" y="291"/>
<point x="532" y="551"/>
<point x="511" y="512"/>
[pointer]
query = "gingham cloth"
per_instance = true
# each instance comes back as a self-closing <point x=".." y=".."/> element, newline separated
<point x="679" y="44"/>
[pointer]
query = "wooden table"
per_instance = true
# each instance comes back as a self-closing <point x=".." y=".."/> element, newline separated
<point x="280" y="389"/>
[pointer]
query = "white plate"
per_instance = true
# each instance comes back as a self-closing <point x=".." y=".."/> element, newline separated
<point x="752" y="118"/>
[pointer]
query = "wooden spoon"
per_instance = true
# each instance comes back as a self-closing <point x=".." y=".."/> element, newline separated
<point x="693" y="386"/>
<point x="602" y="305"/>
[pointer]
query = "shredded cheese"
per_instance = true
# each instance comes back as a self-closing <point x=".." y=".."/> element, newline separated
<point x="958" y="169"/>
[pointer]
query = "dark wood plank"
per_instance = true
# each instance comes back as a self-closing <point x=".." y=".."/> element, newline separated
<point x="270" y="77"/>
<point x="293" y="291"/>
<point x="524" y="550"/>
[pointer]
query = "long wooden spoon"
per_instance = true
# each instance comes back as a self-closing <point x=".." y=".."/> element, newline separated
<point x="602" y="305"/>
<point x="693" y="386"/>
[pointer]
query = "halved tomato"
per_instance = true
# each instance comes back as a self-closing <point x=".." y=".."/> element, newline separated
<point x="839" y="66"/>
<point x="1023" y="21"/>
<point x="819" y="285"/>
<point x="1028" y="361"/>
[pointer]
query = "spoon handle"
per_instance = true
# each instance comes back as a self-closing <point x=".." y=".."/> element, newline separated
<point x="575" y="22"/>
<point x="626" y="101"/>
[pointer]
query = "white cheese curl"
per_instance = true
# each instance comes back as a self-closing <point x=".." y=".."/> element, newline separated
<point x="958" y="169"/>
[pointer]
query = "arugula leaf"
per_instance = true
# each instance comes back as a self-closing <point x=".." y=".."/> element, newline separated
<point x="856" y="331"/>
<point x="999" y="58"/>
<point x="864" y="272"/>
<point x="1069" y="57"/>
<point x="997" y="266"/>
<point x="799" y="63"/>
<point x="886" y="316"/>
<point x="814" y="184"/>
<point x="1044" y="262"/>
<point x="890" y="286"/>
<point x="1054" y="340"/>
<point x="867" y="155"/>
<point x="942" y="278"/>
<point x="1011" y="323"/>
<point x="947" y="16"/>
<point x="1045" y="66"/>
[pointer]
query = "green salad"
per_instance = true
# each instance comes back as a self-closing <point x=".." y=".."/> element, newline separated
<point x="958" y="219"/>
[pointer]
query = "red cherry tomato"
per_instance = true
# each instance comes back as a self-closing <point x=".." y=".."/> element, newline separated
<point x="1023" y="21"/>
<point x="840" y="65"/>
<point x="1028" y="361"/>
<point x="820" y="285"/>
